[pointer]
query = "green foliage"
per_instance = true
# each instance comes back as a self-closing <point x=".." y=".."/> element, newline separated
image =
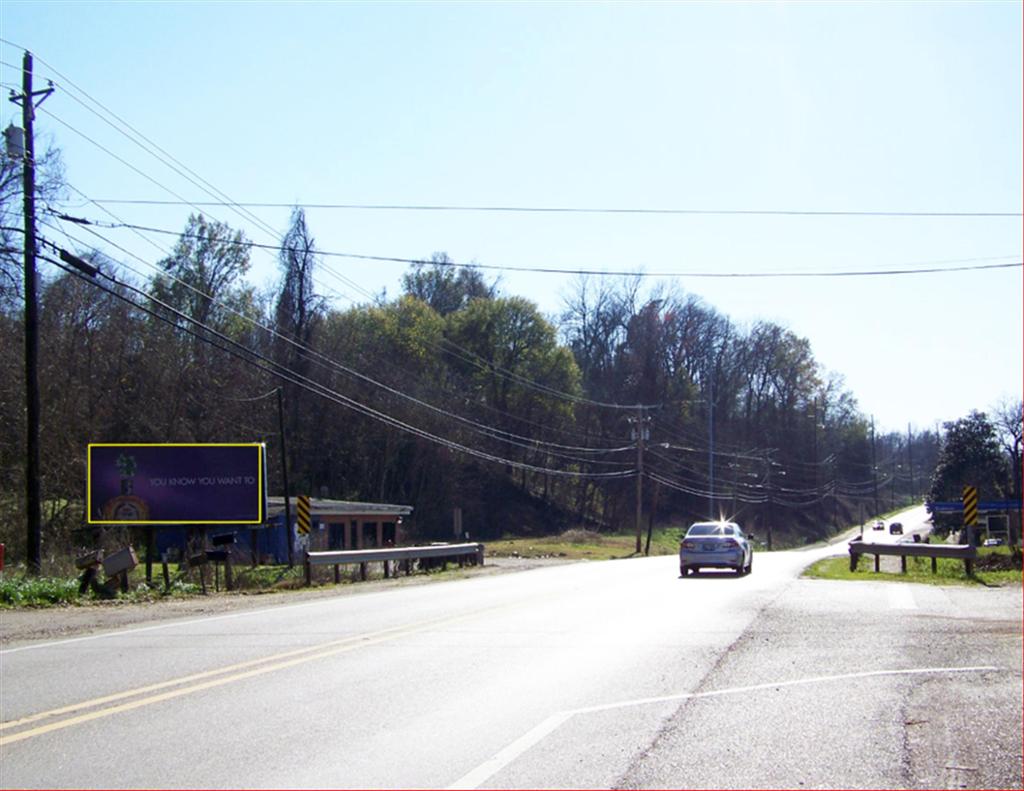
<point x="451" y="358"/>
<point x="970" y="456"/>
<point x="37" y="591"/>
<point x="446" y="288"/>
<point x="265" y="578"/>
<point x="204" y="268"/>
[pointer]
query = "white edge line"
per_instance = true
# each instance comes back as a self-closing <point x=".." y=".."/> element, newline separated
<point x="507" y="755"/>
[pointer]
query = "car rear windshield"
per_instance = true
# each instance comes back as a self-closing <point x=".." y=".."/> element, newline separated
<point x="711" y="529"/>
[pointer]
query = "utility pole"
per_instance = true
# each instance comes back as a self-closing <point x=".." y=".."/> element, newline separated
<point x="640" y="434"/>
<point x="892" y="485"/>
<point x="874" y="467"/>
<point x="768" y="498"/>
<point x="711" y="448"/>
<point x="817" y="491"/>
<point x="835" y="493"/>
<point x="284" y="475"/>
<point x="27" y="100"/>
<point x="910" y="463"/>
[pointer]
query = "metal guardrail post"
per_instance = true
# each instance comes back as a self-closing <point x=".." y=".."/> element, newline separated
<point x="966" y="553"/>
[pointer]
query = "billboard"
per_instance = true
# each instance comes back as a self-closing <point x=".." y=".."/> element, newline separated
<point x="177" y="483"/>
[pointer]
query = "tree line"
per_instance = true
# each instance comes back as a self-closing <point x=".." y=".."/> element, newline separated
<point x="451" y="395"/>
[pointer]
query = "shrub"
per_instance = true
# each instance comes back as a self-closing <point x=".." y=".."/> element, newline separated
<point x="37" y="591"/>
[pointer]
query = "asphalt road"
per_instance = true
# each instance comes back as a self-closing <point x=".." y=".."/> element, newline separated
<point x="597" y="675"/>
<point x="914" y="521"/>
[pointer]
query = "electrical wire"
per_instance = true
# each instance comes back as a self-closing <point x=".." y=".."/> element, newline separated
<point x="591" y="210"/>
<point x="451" y="347"/>
<point x="252" y="357"/>
<point x="900" y="270"/>
<point x="529" y="443"/>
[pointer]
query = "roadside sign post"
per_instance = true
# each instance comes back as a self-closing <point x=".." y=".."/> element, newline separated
<point x="970" y="501"/>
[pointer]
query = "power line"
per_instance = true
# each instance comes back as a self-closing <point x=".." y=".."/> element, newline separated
<point x="465" y="354"/>
<point x="580" y="209"/>
<point x="323" y="361"/>
<point x="253" y="357"/>
<point x="924" y="269"/>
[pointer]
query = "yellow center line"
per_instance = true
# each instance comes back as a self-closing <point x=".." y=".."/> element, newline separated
<point x="269" y="664"/>
<point x="183" y="680"/>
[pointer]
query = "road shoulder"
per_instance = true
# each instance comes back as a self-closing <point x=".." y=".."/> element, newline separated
<point x="852" y="691"/>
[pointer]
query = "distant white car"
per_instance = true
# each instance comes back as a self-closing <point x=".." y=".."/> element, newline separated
<point x="715" y="545"/>
<point x="878" y="524"/>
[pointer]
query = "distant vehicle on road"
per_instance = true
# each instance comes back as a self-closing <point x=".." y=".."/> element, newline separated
<point x="896" y="529"/>
<point x="878" y="524"/>
<point x="993" y="542"/>
<point x="716" y="545"/>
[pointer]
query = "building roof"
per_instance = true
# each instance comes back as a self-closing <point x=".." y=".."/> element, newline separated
<point x="322" y="507"/>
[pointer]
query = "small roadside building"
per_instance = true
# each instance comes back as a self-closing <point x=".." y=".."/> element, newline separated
<point x="343" y="524"/>
<point x="335" y="524"/>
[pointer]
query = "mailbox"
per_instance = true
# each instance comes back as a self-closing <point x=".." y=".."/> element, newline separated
<point x="123" y="560"/>
<point x="224" y="539"/>
<point x="217" y="555"/>
<point x="89" y="560"/>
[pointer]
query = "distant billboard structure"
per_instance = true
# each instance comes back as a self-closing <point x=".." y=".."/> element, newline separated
<point x="176" y="484"/>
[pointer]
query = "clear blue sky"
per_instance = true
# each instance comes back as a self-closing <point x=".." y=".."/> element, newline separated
<point x="873" y="107"/>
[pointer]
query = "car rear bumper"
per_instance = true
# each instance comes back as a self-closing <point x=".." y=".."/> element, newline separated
<point x="730" y="559"/>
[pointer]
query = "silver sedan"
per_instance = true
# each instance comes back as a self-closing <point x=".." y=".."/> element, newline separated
<point x="715" y="545"/>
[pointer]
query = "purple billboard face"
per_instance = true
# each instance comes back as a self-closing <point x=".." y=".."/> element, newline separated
<point x="176" y="484"/>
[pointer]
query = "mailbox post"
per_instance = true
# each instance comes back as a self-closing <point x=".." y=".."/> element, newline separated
<point x="222" y="554"/>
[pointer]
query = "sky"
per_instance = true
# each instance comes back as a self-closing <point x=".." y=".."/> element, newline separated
<point x="748" y="120"/>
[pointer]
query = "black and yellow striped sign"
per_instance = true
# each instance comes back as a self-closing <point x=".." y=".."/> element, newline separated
<point x="970" y="500"/>
<point x="305" y="523"/>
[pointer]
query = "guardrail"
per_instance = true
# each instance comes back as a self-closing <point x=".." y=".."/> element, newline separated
<point x="442" y="552"/>
<point x="964" y="552"/>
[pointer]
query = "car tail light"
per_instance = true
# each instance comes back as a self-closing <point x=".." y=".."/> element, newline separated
<point x="688" y="545"/>
<point x="729" y="543"/>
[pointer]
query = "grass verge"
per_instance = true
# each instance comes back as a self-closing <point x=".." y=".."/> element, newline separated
<point x="994" y="568"/>
<point x="586" y="545"/>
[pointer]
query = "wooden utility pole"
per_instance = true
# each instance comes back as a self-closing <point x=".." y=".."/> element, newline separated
<point x="640" y="429"/>
<point x="874" y="467"/>
<point x="910" y="464"/>
<point x="284" y="476"/>
<point x="33" y="506"/>
<point x="711" y="447"/>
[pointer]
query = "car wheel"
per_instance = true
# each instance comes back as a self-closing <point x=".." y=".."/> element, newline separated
<point x="750" y="564"/>
<point x="684" y="571"/>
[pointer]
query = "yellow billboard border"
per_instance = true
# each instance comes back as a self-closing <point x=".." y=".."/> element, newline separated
<point x="259" y="478"/>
